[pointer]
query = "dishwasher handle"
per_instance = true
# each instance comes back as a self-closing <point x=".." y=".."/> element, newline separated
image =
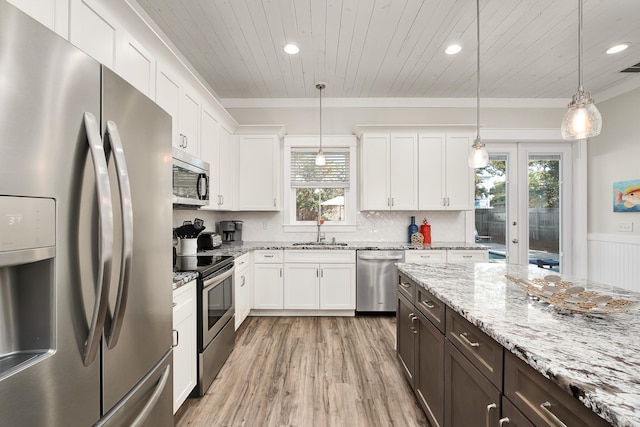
<point x="381" y="258"/>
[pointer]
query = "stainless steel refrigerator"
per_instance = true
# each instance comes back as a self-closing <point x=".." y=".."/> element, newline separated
<point x="85" y="253"/>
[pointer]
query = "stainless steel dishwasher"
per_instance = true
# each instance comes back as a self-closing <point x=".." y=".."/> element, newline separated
<point x="376" y="280"/>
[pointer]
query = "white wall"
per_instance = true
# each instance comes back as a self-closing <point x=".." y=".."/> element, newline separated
<point x="614" y="155"/>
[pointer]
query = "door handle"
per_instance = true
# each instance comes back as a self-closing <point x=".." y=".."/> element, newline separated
<point x="177" y="340"/>
<point x="463" y="335"/>
<point x="515" y="240"/>
<point x="114" y="325"/>
<point x="490" y="408"/>
<point x="105" y="242"/>
<point x="148" y="407"/>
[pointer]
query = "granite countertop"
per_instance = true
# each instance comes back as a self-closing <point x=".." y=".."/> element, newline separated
<point x="249" y="246"/>
<point x="595" y="357"/>
<point x="183" y="277"/>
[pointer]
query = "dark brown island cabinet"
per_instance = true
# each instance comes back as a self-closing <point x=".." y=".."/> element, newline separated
<point x="462" y="377"/>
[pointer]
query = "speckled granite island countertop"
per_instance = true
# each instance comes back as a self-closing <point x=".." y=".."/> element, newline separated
<point x="595" y="357"/>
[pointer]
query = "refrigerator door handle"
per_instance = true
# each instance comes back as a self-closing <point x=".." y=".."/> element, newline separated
<point x="151" y="403"/>
<point x="114" y="325"/>
<point x="105" y="242"/>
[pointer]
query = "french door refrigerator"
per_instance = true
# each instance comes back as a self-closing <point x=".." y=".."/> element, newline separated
<point x="85" y="252"/>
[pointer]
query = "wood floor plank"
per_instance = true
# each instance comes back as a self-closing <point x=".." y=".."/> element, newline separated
<point x="309" y="371"/>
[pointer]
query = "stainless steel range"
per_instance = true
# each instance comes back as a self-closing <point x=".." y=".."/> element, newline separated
<point x="216" y="325"/>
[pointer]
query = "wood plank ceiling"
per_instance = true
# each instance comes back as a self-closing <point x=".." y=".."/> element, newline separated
<point x="395" y="48"/>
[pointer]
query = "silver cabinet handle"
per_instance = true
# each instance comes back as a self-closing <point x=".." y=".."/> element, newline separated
<point x="177" y="340"/>
<point x="546" y="409"/>
<point x="222" y="199"/>
<point x="244" y="280"/>
<point x="280" y="271"/>
<point x="429" y="304"/>
<point x="444" y="201"/>
<point x="393" y="202"/>
<point x="274" y="202"/>
<point x="413" y="318"/>
<point x="448" y="202"/>
<point x="105" y="242"/>
<point x="321" y="272"/>
<point x="113" y="328"/>
<point x="490" y="408"/>
<point x="181" y="144"/>
<point x="405" y="285"/>
<point x="504" y="421"/>
<point x="464" y="335"/>
<point x="174" y="304"/>
<point x="269" y="256"/>
<point x="317" y="272"/>
<point x="467" y="256"/>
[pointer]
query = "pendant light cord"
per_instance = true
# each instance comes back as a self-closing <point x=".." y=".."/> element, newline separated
<point x="478" y="72"/>
<point x="580" y="87"/>
<point x="320" y="118"/>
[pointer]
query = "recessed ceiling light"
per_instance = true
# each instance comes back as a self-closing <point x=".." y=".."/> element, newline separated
<point x="453" y="49"/>
<point x="291" y="49"/>
<point x="617" y="48"/>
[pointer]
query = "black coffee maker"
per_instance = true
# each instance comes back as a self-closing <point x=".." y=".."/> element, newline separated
<point x="231" y="232"/>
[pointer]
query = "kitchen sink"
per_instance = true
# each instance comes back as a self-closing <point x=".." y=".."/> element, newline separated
<point x="320" y="244"/>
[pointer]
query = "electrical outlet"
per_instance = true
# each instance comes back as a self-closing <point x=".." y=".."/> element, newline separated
<point x="625" y="226"/>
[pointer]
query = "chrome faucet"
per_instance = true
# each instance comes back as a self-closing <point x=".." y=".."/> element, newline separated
<point x="320" y="236"/>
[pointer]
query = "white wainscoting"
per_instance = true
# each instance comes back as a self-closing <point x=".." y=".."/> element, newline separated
<point x="615" y="260"/>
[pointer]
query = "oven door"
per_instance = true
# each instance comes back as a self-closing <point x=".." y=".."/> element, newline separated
<point x="217" y="305"/>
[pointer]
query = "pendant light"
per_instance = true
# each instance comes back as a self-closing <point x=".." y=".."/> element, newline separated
<point x="320" y="159"/>
<point x="478" y="158"/>
<point x="583" y="120"/>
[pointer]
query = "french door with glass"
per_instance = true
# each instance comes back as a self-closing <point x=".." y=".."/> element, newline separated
<point x="523" y="204"/>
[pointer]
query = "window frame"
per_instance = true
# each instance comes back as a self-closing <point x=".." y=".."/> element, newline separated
<point x="345" y="142"/>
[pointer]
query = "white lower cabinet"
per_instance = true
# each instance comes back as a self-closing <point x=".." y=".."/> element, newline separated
<point x="319" y="280"/>
<point x="185" y="340"/>
<point x="242" y="288"/>
<point x="268" y="280"/>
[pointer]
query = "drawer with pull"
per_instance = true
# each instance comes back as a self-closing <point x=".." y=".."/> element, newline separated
<point x="462" y="256"/>
<point x="419" y="256"/>
<point x="406" y="287"/>
<point x="481" y="350"/>
<point x="432" y="308"/>
<point x="268" y="256"/>
<point x="543" y="402"/>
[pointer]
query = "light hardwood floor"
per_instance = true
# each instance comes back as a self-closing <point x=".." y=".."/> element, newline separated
<point x="309" y="371"/>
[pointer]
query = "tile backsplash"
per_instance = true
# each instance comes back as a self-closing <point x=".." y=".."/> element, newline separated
<point x="372" y="226"/>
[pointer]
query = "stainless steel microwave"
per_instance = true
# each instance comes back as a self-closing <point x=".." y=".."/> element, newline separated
<point x="190" y="179"/>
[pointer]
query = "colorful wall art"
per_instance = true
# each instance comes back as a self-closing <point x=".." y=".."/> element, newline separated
<point x="626" y="196"/>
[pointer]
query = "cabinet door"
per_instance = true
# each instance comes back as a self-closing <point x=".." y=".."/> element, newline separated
<point x="242" y="296"/>
<point x="459" y="176"/>
<point x="226" y="170"/>
<point x="93" y="30"/>
<point x="168" y="97"/>
<point x="429" y="373"/>
<point x="403" y="171"/>
<point x="137" y="66"/>
<point x="512" y="416"/>
<point x="374" y="173"/>
<point x="470" y="398"/>
<point x="258" y="173"/>
<point x="431" y="171"/>
<point x="54" y="14"/>
<point x="189" y="115"/>
<point x="405" y="336"/>
<point x="209" y="152"/>
<point x="301" y="286"/>
<point x="184" y="354"/>
<point x="337" y="286"/>
<point x="267" y="287"/>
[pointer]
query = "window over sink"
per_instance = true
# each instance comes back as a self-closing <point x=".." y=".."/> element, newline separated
<point x="319" y="192"/>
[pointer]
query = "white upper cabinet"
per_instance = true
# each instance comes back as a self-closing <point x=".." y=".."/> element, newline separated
<point x="258" y="173"/>
<point x="93" y="30"/>
<point x="137" y="66"/>
<point x="54" y="14"/>
<point x="168" y="97"/>
<point x="226" y="170"/>
<point x="216" y="148"/>
<point x="189" y="122"/>
<point x="445" y="179"/>
<point x="389" y="171"/>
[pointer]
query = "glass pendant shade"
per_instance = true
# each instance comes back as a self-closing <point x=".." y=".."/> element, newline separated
<point x="479" y="157"/>
<point x="582" y="120"/>
<point x="320" y="159"/>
